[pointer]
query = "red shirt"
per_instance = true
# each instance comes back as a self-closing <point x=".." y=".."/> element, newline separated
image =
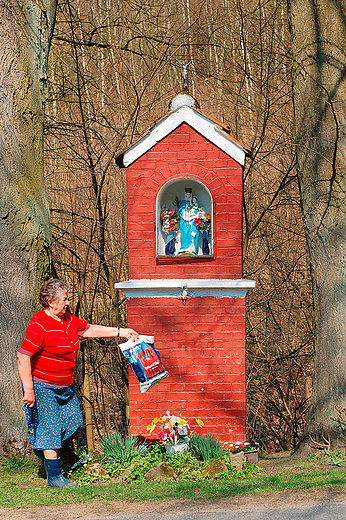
<point x="52" y="346"/>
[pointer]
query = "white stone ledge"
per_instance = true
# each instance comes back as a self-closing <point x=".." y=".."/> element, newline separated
<point x="154" y="288"/>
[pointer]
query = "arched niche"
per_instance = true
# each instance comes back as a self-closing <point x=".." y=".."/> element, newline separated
<point x="184" y="220"/>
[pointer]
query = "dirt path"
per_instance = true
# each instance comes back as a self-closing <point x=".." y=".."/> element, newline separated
<point x="173" y="509"/>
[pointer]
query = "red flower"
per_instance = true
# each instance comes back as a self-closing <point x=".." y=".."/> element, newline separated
<point x="197" y="222"/>
<point x="171" y="227"/>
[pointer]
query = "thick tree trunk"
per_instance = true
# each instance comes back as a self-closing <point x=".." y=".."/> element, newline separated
<point x="318" y="29"/>
<point x="25" y="33"/>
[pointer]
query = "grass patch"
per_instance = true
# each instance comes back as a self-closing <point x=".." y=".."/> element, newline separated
<point x="20" y="485"/>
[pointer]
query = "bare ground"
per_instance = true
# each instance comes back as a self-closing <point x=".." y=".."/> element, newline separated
<point x="117" y="510"/>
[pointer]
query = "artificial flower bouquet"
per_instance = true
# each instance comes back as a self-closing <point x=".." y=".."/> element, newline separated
<point x="172" y="428"/>
<point x="202" y="220"/>
<point x="170" y="219"/>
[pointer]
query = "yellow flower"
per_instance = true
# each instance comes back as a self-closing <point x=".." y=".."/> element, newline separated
<point x="150" y="427"/>
<point x="181" y="421"/>
<point x="200" y="422"/>
<point x="170" y="424"/>
<point x="156" y="420"/>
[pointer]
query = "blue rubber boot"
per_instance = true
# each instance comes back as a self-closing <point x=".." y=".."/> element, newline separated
<point x="39" y="454"/>
<point x="41" y="471"/>
<point x="54" y="476"/>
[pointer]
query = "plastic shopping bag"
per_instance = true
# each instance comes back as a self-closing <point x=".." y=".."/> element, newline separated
<point x="145" y="361"/>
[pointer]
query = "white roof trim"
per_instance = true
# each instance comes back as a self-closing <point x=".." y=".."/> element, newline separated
<point x="200" y="123"/>
<point x="153" y="288"/>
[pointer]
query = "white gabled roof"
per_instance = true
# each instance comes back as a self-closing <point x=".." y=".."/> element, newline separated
<point x="183" y="111"/>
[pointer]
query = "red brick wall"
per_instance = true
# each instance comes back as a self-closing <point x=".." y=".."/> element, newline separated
<point x="184" y="152"/>
<point x="202" y="346"/>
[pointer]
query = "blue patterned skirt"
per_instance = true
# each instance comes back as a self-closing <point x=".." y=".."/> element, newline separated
<point x="55" y="416"/>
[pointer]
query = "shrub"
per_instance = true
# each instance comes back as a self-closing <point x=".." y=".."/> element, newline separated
<point x="206" y="447"/>
<point x="121" y="451"/>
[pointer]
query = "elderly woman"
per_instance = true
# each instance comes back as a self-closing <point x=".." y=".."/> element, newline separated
<point x="46" y="365"/>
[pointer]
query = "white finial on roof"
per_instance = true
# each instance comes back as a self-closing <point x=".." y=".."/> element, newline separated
<point x="182" y="100"/>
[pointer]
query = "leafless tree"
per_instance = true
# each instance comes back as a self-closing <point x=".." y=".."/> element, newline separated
<point x="25" y="238"/>
<point x="319" y="89"/>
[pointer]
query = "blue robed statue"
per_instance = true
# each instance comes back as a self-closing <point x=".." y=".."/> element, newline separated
<point x="189" y="232"/>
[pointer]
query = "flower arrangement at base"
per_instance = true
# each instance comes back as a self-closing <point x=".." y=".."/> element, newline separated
<point x="235" y="447"/>
<point x="172" y="428"/>
<point x="170" y="219"/>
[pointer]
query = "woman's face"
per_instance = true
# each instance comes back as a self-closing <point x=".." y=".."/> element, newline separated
<point x="59" y="305"/>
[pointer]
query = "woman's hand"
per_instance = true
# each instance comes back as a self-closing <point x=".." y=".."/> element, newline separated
<point x="24" y="369"/>
<point x="29" y="397"/>
<point x="128" y="334"/>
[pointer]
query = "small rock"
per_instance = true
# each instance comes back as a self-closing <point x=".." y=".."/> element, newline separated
<point x="214" y="468"/>
<point x="122" y="477"/>
<point x="96" y="469"/>
<point x="128" y="470"/>
<point x="238" y="460"/>
<point x="162" y="471"/>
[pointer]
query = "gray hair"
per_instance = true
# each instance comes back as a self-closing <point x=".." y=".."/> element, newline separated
<point x="50" y="290"/>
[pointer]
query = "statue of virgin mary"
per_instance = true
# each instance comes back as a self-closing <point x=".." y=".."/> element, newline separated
<point x="189" y="232"/>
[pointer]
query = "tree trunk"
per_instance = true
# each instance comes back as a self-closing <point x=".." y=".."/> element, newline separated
<point x="318" y="30"/>
<point x="25" y="33"/>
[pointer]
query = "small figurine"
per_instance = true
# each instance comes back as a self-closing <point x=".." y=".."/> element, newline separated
<point x="184" y="65"/>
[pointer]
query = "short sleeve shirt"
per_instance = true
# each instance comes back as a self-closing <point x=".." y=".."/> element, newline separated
<point x="52" y="346"/>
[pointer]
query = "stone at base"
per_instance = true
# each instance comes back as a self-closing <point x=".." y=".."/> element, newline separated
<point x="214" y="468"/>
<point x="162" y="471"/>
<point x="96" y="469"/>
<point x="238" y="460"/>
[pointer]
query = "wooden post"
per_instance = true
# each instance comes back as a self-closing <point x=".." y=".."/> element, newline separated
<point x="87" y="404"/>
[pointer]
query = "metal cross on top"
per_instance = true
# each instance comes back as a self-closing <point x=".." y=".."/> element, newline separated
<point x="184" y="64"/>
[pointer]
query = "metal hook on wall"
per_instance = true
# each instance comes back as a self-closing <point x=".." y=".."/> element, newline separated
<point x="184" y="294"/>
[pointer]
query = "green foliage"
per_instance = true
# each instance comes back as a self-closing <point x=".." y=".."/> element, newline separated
<point x="337" y="459"/>
<point x="177" y="202"/>
<point x="16" y="463"/>
<point x="21" y="487"/>
<point x="82" y="478"/>
<point x="148" y="459"/>
<point x="206" y="448"/>
<point x="121" y="451"/>
<point x="186" y="465"/>
<point x="83" y="453"/>
<point x="142" y="466"/>
<point x="248" y="471"/>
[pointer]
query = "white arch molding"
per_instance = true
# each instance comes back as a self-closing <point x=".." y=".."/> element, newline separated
<point x="166" y="198"/>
